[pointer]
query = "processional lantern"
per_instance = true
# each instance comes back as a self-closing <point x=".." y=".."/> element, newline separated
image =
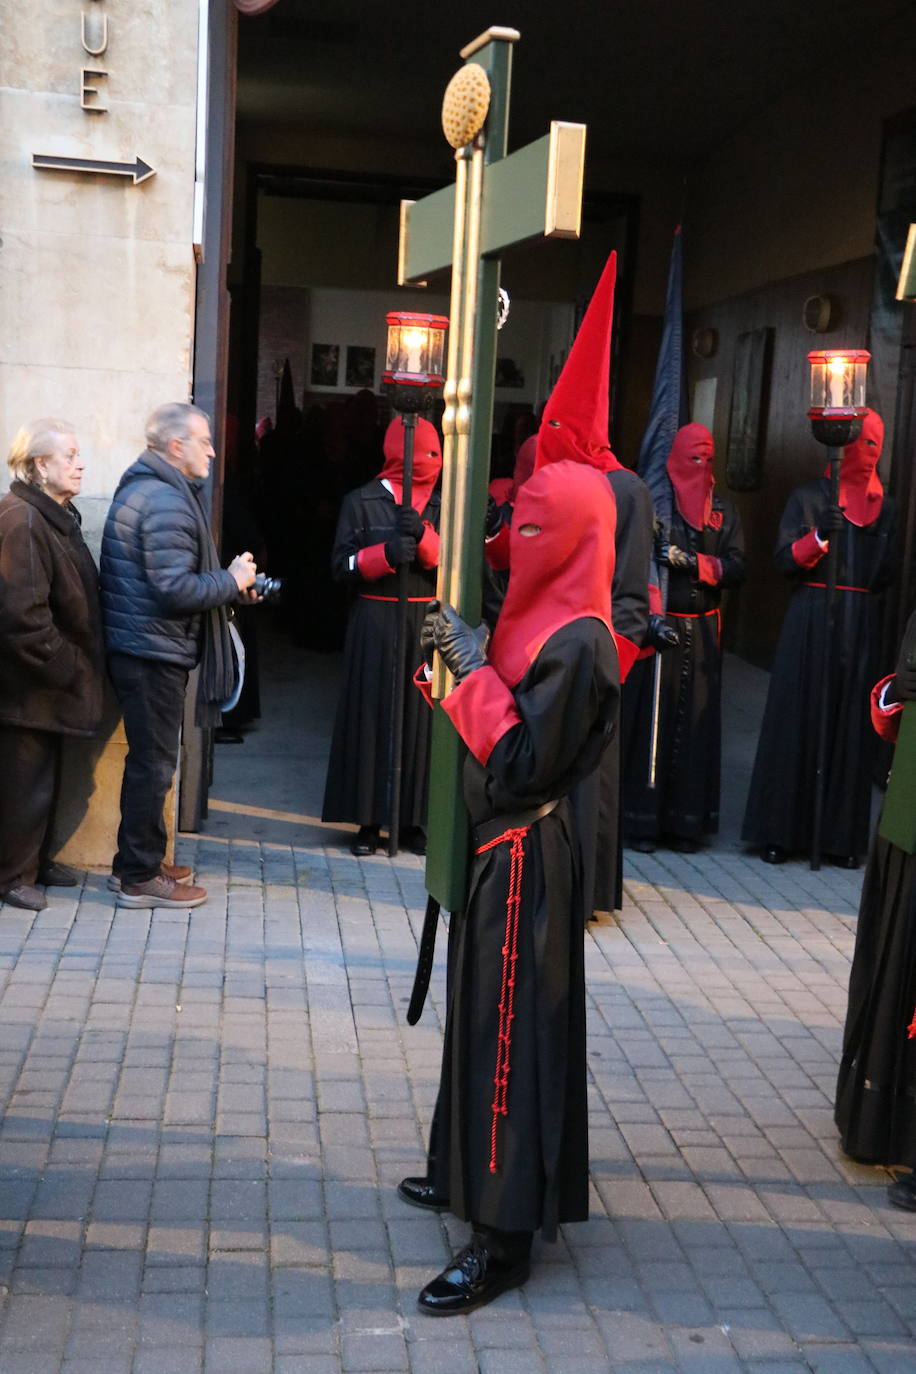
<point x="837" y="395"/>
<point x="836" y="409"/>
<point x="414" y="360"/>
<point x="412" y="377"/>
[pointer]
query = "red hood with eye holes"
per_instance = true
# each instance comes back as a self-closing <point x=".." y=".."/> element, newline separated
<point x="561" y="574"/>
<point x="692" y="481"/>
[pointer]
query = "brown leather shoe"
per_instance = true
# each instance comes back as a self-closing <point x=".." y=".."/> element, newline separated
<point x="26" y="897"/>
<point x="53" y="874"/>
<point x="161" y="891"/>
<point x="179" y="873"/>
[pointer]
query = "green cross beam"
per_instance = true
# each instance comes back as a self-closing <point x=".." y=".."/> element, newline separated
<point x="497" y="200"/>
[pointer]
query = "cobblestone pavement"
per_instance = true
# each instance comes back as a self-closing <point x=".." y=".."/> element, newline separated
<point x="205" y="1117"/>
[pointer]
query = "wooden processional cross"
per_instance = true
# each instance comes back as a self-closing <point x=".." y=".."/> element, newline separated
<point x="497" y="200"/>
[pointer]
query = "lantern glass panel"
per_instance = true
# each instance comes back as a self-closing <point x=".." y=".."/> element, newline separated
<point x="393" y="349"/>
<point x="861" y="367"/>
<point x="436" y="351"/>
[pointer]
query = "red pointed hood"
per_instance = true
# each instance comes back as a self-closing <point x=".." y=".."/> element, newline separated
<point x="861" y="491"/>
<point x="689" y="466"/>
<point x="574" y="425"/>
<point x="560" y="574"/>
<point x="427" y="461"/>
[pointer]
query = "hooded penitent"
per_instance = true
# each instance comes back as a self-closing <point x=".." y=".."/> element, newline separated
<point x="562" y="559"/>
<point x="524" y="465"/>
<point x="861" y="492"/>
<point x="690" y="467"/>
<point x="575" y="418"/>
<point x="427" y="461"/>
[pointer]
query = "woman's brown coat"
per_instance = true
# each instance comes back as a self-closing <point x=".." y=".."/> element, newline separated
<point x="51" y="654"/>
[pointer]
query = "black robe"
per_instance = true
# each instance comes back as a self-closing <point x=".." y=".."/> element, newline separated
<point x="876" y="1088"/>
<point x="685" y="800"/>
<point x="357" y="786"/>
<point x="630" y="617"/>
<point x="780" y="806"/>
<point x="567" y="701"/>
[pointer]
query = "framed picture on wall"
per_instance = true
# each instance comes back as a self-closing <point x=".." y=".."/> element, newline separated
<point x="325" y="364"/>
<point x="360" y="366"/>
<point x="747" y="416"/>
<point x="508" y="373"/>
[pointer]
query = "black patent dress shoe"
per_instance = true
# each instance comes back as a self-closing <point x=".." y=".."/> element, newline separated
<point x="422" y="1192"/>
<point x="642" y="846"/>
<point x="366" y="842"/>
<point x="902" y="1192"/>
<point x="844" y="860"/>
<point x="24" y="896"/>
<point x="774" y="854"/>
<point x="53" y="874"/>
<point x="413" y="839"/>
<point x="474" y="1277"/>
<point x="682" y="845"/>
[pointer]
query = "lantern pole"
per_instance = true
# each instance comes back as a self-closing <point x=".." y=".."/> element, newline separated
<point x="837" y="408"/>
<point x="820" y="776"/>
<point x="400" y="654"/>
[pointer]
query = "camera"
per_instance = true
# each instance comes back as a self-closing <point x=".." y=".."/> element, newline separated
<point x="270" y="588"/>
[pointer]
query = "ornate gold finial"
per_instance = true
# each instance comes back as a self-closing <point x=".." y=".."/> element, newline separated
<point x="465" y="104"/>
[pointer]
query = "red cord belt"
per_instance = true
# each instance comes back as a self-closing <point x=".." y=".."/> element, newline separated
<point x="693" y="615"/>
<point x="840" y="587"/>
<point x="368" y="596"/>
<point x="514" y="835"/>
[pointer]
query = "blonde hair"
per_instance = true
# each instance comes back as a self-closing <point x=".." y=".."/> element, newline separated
<point x="37" y="440"/>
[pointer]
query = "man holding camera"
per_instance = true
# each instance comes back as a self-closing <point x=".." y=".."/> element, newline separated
<point x="164" y="598"/>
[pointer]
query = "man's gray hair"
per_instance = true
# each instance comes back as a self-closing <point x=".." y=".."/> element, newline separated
<point x="171" y="421"/>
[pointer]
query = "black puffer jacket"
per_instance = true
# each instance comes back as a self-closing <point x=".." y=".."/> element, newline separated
<point x="153" y="591"/>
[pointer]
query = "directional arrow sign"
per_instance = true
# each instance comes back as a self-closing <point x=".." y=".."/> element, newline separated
<point x="138" y="169"/>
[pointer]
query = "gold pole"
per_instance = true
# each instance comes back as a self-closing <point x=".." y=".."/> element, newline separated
<point x="465" y="380"/>
<point x="454" y="418"/>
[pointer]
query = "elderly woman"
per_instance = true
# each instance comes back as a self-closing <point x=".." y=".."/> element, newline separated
<point x="51" y="657"/>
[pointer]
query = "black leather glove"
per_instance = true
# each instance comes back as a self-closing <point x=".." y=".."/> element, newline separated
<point x="410" y="523"/>
<point x="494" y="518"/>
<point x="829" y="522"/>
<point x="679" y="558"/>
<point x="904" y="683"/>
<point x="428" y="632"/>
<point x="400" y="548"/>
<point x="463" y="649"/>
<point x="659" y="634"/>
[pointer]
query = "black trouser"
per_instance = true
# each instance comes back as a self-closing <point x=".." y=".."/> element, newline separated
<point x="29" y="769"/>
<point x="151" y="696"/>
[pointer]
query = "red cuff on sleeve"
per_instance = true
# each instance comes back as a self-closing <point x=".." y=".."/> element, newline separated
<point x="655" y="599"/>
<point x="428" y="547"/>
<point x="423" y="684"/>
<point x="709" y="569"/>
<point x="627" y="654"/>
<point x="482" y="710"/>
<point x="885" y="719"/>
<point x="807" y="551"/>
<point x="372" y="563"/>
<point x="497" y="549"/>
